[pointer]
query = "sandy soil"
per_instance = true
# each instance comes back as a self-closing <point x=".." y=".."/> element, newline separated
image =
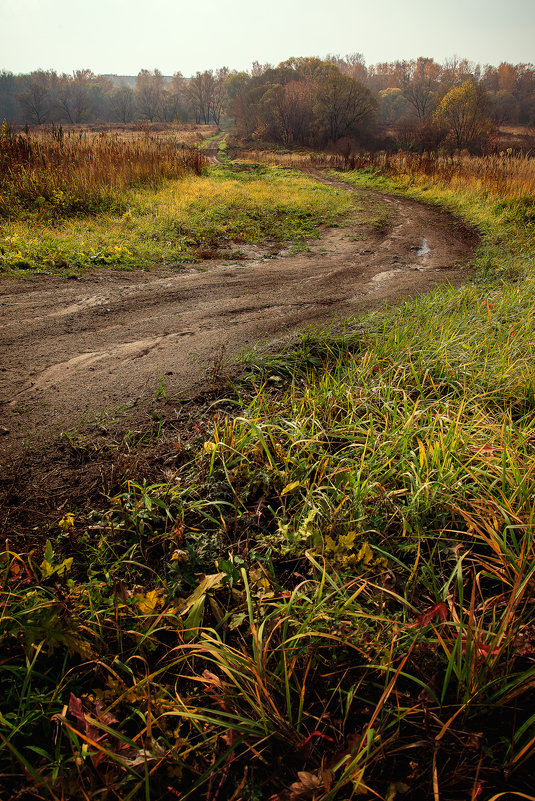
<point x="73" y="348"/>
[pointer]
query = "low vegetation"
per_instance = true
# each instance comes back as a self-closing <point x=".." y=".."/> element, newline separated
<point x="56" y="176"/>
<point x="327" y="591"/>
<point x="76" y="202"/>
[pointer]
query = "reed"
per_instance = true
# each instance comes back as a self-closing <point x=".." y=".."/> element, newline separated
<point x="505" y="175"/>
<point x="58" y="175"/>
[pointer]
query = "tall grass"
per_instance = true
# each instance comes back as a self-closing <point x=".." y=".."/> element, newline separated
<point x="58" y="175"/>
<point x="507" y="175"/>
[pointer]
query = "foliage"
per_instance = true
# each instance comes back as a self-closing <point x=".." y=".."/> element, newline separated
<point x="464" y="112"/>
<point x="303" y="102"/>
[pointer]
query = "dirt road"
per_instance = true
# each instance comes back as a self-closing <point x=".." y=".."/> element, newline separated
<point x="71" y="348"/>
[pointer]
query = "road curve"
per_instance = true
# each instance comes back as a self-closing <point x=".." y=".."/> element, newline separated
<point x="71" y="348"/>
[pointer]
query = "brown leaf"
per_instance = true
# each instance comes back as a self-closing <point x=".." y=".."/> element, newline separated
<point x="309" y="780"/>
<point x="306" y="786"/>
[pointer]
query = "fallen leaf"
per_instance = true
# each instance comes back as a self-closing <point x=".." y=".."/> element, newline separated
<point x="439" y="610"/>
<point x="289" y="487"/>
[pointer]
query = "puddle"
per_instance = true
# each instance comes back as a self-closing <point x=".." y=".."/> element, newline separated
<point x="424" y="250"/>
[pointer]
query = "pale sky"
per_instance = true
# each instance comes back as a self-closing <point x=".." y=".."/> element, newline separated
<point x="124" y="36"/>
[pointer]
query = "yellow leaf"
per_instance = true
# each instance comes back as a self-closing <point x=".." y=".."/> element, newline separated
<point x="179" y="556"/>
<point x="148" y="603"/>
<point x="66" y="522"/>
<point x="365" y="555"/>
<point x="289" y="487"/>
<point x="208" y="583"/>
<point x="421" y="449"/>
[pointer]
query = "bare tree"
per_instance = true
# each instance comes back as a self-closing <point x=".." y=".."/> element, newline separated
<point x="149" y="94"/>
<point x="76" y="97"/>
<point x="200" y="92"/>
<point x="218" y="94"/>
<point x="123" y="103"/>
<point x="37" y="99"/>
<point x="420" y="82"/>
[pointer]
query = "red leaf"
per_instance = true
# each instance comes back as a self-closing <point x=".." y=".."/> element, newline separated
<point x="439" y="610"/>
<point x="76" y="709"/>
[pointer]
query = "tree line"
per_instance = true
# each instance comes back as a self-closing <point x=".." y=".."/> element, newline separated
<point x="302" y="101"/>
<point x="45" y="97"/>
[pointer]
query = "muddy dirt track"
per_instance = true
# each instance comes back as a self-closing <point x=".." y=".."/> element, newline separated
<point x="71" y="348"/>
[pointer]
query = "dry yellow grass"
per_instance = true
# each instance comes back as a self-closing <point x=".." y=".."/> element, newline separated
<point x="504" y="175"/>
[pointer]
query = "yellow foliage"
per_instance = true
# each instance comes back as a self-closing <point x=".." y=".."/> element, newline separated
<point x="66" y="522"/>
<point x="150" y="602"/>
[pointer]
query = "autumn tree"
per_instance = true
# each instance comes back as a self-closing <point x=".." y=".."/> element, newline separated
<point x="352" y="64"/>
<point x="287" y="112"/>
<point x="420" y="83"/>
<point x="173" y="99"/>
<point x="218" y="94"/>
<point x="343" y="107"/>
<point x="464" y="112"/>
<point x="392" y="104"/>
<point x="200" y="91"/>
<point x="78" y="96"/>
<point x="38" y="97"/>
<point x="247" y="107"/>
<point x="123" y="103"/>
<point x="9" y="109"/>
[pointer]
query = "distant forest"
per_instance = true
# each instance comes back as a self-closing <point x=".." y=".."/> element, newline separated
<point x="301" y="102"/>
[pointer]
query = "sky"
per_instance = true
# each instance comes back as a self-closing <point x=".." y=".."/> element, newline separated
<point x="124" y="36"/>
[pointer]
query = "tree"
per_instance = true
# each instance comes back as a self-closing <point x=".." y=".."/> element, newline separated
<point x="343" y="107"/>
<point x="352" y="64"/>
<point x="464" y="112"/>
<point x="77" y="95"/>
<point x="200" y="92"/>
<point x="420" y="83"/>
<point x="287" y="112"/>
<point x="174" y="99"/>
<point x="9" y="110"/>
<point x="504" y="107"/>
<point x="37" y="99"/>
<point x="393" y="105"/>
<point x="149" y="93"/>
<point x="218" y="94"/>
<point x="123" y="103"/>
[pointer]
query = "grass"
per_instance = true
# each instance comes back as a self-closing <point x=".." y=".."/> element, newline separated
<point x="55" y="176"/>
<point x="506" y="219"/>
<point x="329" y="593"/>
<point x="176" y="222"/>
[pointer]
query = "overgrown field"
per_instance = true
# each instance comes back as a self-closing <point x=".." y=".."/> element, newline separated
<point x="327" y="588"/>
<point x="56" y="176"/>
<point x="72" y="202"/>
<point x="507" y="175"/>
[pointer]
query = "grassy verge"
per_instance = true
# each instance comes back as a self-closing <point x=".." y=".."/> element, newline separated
<point x="328" y="590"/>
<point x="176" y="222"/>
<point x="505" y="219"/>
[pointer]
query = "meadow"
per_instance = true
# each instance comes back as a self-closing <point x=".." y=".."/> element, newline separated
<point x="327" y="590"/>
<point x="73" y="201"/>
